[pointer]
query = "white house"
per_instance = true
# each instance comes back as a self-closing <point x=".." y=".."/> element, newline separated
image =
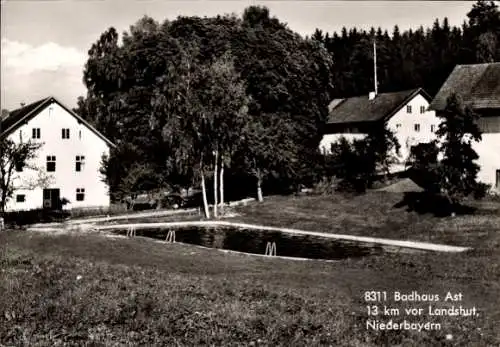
<point x="406" y="113"/>
<point x="70" y="156"/>
<point x="478" y="86"/>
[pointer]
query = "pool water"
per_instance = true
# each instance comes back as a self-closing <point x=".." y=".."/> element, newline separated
<point x="258" y="241"/>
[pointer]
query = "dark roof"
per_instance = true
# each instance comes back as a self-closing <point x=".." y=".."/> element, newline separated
<point x="17" y="117"/>
<point x="20" y="113"/>
<point x="362" y="109"/>
<point x="478" y="85"/>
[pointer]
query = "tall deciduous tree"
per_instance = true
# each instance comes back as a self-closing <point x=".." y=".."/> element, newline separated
<point x="267" y="148"/>
<point x="103" y="75"/>
<point x="223" y="100"/>
<point x="138" y="91"/>
<point x="186" y="131"/>
<point x="289" y="78"/>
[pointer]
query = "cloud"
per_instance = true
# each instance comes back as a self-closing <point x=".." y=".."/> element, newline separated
<point x="31" y="72"/>
<point x="48" y="56"/>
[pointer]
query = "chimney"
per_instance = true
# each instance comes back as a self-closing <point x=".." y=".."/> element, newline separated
<point x="372" y="95"/>
<point x="23" y="104"/>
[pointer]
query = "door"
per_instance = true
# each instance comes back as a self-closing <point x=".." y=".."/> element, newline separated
<point x="51" y="199"/>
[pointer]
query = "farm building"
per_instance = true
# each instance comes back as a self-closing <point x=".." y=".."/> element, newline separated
<point x="69" y="158"/>
<point x="478" y="86"/>
<point x="406" y="113"/>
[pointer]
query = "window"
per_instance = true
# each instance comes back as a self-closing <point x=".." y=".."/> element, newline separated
<point x="80" y="134"/>
<point x="417" y="127"/>
<point x="51" y="163"/>
<point x="398" y="125"/>
<point x="19" y="166"/>
<point x="433" y="128"/>
<point x="20" y="198"/>
<point x="80" y="194"/>
<point x="408" y="109"/>
<point x="20" y="136"/>
<point x="65" y="133"/>
<point x="80" y="163"/>
<point x="35" y="133"/>
<point x="422" y="109"/>
<point x="497" y="183"/>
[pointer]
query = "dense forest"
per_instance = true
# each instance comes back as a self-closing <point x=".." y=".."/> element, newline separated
<point x="184" y="98"/>
<point x="415" y="58"/>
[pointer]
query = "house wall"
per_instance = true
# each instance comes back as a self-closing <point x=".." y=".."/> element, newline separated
<point x="488" y="151"/>
<point x="83" y="141"/>
<point x="489" y="124"/>
<point x="402" y="124"/>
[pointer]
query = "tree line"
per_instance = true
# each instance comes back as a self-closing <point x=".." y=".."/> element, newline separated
<point x="414" y="58"/>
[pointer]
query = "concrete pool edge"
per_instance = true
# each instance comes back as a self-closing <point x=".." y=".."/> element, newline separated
<point x="381" y="241"/>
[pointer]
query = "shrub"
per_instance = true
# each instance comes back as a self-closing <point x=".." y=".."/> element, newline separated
<point x="481" y="190"/>
<point x="327" y="186"/>
<point x="35" y="216"/>
<point x="114" y="209"/>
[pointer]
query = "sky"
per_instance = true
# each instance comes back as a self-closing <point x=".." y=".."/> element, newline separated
<point x="44" y="44"/>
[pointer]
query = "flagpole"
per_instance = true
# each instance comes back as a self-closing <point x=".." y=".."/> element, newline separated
<point x="375" y="66"/>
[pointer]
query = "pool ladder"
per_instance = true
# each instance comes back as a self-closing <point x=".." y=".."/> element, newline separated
<point x="170" y="236"/>
<point x="131" y="232"/>
<point x="271" y="249"/>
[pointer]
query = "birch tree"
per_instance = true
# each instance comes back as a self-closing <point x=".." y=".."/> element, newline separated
<point x="224" y="102"/>
<point x="267" y="147"/>
<point x="187" y="129"/>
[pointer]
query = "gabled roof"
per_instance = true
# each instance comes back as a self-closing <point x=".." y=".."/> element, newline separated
<point x="478" y="85"/>
<point x="362" y="109"/>
<point x="20" y="113"/>
<point x="18" y="117"/>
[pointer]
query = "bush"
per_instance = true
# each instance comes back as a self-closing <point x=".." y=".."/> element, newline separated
<point x="436" y="204"/>
<point x="114" y="209"/>
<point x="35" y="216"/>
<point x="348" y="163"/>
<point x="481" y="190"/>
<point x="327" y="186"/>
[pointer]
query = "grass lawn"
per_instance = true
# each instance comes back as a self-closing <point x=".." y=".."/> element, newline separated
<point x="374" y="214"/>
<point x="140" y="292"/>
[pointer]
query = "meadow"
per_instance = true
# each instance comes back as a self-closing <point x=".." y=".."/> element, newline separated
<point x="88" y="289"/>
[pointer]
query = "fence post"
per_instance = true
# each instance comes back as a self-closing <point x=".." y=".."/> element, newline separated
<point x="2" y="224"/>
